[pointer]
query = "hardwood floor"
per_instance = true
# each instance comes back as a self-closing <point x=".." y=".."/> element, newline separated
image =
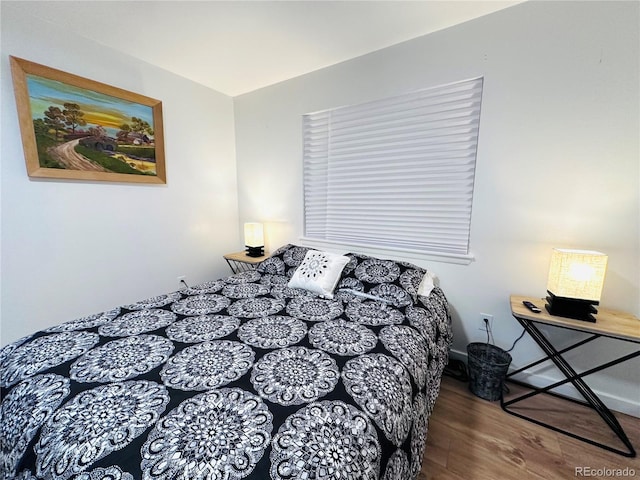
<point x="473" y="439"/>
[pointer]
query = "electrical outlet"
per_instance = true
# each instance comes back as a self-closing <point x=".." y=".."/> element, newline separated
<point x="483" y="325"/>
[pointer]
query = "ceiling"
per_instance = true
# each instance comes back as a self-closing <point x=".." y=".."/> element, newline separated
<point x="238" y="46"/>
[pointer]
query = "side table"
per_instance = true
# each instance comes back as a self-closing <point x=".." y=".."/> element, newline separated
<point x="609" y="323"/>
<point x="241" y="262"/>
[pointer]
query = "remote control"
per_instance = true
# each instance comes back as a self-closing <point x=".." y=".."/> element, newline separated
<point x="531" y="306"/>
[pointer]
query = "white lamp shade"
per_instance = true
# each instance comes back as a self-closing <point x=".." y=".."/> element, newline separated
<point x="253" y="234"/>
<point x="577" y="274"/>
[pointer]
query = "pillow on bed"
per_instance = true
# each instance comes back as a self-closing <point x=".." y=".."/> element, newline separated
<point x="391" y="280"/>
<point x="319" y="272"/>
<point x="427" y="284"/>
<point x="284" y="260"/>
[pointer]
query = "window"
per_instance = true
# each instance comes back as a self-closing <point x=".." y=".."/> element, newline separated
<point x="395" y="173"/>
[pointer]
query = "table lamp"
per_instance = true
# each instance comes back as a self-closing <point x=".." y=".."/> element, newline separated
<point x="254" y="239"/>
<point x="575" y="283"/>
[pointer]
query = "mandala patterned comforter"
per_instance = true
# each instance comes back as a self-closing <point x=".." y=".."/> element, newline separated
<point x="237" y="378"/>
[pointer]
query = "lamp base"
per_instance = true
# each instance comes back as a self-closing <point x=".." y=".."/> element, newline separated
<point x="571" y="308"/>
<point x="254" y="251"/>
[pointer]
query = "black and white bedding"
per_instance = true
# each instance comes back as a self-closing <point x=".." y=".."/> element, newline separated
<point x="243" y="377"/>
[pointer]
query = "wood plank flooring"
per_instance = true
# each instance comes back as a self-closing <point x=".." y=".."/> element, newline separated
<point x="473" y="439"/>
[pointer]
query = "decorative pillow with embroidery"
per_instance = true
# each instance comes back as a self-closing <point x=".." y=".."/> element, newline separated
<point x="319" y="272"/>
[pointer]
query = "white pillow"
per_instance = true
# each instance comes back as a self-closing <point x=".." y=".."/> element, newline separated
<point x="319" y="272"/>
<point x="427" y="284"/>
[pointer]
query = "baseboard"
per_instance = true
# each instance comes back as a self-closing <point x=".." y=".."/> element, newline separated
<point x="617" y="404"/>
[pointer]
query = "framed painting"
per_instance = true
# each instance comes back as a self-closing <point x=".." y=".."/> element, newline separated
<point x="76" y="128"/>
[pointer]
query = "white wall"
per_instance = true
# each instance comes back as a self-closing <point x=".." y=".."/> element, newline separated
<point x="72" y="248"/>
<point x="557" y="166"/>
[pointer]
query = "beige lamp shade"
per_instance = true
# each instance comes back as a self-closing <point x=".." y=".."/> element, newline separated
<point x="577" y="274"/>
<point x="253" y="234"/>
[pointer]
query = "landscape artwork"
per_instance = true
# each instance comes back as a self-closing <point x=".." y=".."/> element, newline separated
<point x="76" y="128"/>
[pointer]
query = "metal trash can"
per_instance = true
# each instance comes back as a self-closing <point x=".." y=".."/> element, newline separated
<point x="488" y="367"/>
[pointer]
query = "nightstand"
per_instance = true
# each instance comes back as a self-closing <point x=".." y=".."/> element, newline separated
<point x="609" y="323"/>
<point x="241" y="262"/>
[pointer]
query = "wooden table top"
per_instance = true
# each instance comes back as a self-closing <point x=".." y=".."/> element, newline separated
<point x="243" y="257"/>
<point x="612" y="323"/>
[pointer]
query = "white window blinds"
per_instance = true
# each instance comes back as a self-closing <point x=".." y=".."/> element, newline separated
<point x="395" y="173"/>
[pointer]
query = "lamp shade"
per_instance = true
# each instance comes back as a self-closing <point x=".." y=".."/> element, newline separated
<point x="577" y="274"/>
<point x="253" y="235"/>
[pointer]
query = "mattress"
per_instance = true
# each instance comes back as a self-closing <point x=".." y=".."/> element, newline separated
<point x="239" y="377"/>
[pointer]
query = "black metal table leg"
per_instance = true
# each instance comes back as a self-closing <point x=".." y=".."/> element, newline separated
<point x="576" y="379"/>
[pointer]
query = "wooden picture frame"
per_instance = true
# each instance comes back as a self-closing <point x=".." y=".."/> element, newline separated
<point x="80" y="129"/>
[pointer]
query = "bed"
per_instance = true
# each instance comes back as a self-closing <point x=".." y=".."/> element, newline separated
<point x="249" y="376"/>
